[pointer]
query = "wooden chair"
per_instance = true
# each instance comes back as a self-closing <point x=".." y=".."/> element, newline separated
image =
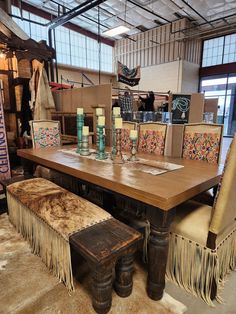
<point x="152" y="137"/>
<point x="126" y="143"/>
<point x="203" y="141"/>
<point x="44" y="134"/>
<point x="202" y="246"/>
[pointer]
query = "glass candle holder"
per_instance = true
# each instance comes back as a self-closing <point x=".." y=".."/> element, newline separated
<point x="133" y="138"/>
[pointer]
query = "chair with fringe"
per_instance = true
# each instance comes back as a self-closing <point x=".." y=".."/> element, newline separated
<point x="45" y="134"/>
<point x="152" y="137"/>
<point x="126" y="143"/>
<point x="202" y="247"/>
<point x="202" y="141"/>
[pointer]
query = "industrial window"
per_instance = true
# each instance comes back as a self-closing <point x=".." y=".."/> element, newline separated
<point x="219" y="50"/>
<point x="72" y="48"/>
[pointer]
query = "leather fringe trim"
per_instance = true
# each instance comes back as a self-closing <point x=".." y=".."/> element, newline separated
<point x="195" y="268"/>
<point x="53" y="249"/>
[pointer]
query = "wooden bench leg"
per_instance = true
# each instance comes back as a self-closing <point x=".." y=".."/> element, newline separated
<point x="102" y="289"/>
<point x="124" y="275"/>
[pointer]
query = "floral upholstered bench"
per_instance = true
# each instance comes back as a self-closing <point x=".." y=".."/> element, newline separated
<point x="54" y="220"/>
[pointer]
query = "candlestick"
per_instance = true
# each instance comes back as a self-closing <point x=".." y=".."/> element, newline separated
<point x="118" y="123"/>
<point x="80" y="124"/>
<point x="101" y="120"/>
<point x="99" y="112"/>
<point x="118" y="158"/>
<point x="85" y="130"/>
<point x="133" y="134"/>
<point x="116" y="111"/>
<point x="133" y="156"/>
<point x="101" y="154"/>
<point x="80" y="110"/>
<point x="84" y="150"/>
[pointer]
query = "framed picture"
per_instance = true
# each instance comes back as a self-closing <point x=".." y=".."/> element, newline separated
<point x="180" y="107"/>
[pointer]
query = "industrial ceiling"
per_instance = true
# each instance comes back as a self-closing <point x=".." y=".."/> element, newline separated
<point x="141" y="15"/>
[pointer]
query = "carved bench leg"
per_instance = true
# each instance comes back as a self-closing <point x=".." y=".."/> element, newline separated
<point x="102" y="290"/>
<point x="124" y="272"/>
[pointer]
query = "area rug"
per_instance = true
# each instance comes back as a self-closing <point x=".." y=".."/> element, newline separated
<point x="27" y="287"/>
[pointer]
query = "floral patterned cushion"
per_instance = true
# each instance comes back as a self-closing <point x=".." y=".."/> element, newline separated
<point x="151" y="141"/>
<point x="126" y="143"/>
<point x="46" y="137"/>
<point x="202" y="146"/>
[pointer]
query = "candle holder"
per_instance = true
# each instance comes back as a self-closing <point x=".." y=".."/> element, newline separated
<point x="113" y="151"/>
<point x="118" y="158"/>
<point x="80" y="124"/>
<point x="133" y="156"/>
<point x="101" y="154"/>
<point x="84" y="150"/>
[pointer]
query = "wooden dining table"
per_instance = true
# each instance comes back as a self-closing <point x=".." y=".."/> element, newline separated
<point x="160" y="194"/>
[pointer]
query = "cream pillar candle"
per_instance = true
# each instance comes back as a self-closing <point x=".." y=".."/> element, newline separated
<point x="133" y="134"/>
<point x="99" y="112"/>
<point x="118" y="123"/>
<point x="116" y="111"/>
<point x="101" y="120"/>
<point x="80" y="110"/>
<point x="85" y="131"/>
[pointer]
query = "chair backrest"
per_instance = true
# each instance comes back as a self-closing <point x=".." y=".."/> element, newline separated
<point x="45" y="133"/>
<point x="152" y="137"/>
<point x="202" y="141"/>
<point x="127" y="126"/>
<point x="224" y="208"/>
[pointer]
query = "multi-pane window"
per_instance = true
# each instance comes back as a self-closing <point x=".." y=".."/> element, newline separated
<point x="72" y="48"/>
<point x="219" y="50"/>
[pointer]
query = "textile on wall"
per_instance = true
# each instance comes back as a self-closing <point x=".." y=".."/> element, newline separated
<point x="128" y="76"/>
<point x="41" y="96"/>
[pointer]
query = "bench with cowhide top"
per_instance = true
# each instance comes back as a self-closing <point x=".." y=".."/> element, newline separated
<point x="54" y="220"/>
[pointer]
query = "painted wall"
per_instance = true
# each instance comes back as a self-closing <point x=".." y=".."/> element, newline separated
<point x="190" y="77"/>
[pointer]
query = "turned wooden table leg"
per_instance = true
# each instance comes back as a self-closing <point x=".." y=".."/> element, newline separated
<point x="124" y="276"/>
<point x="102" y="289"/>
<point x="158" y="251"/>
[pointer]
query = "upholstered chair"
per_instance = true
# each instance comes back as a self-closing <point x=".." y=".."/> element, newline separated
<point x="152" y="137"/>
<point x="45" y="134"/>
<point x="202" y="247"/>
<point x="203" y="141"/>
<point x="126" y="143"/>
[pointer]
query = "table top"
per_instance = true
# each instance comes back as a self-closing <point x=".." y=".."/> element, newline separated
<point x="164" y="191"/>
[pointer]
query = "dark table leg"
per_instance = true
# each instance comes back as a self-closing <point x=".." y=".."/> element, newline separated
<point x="158" y="250"/>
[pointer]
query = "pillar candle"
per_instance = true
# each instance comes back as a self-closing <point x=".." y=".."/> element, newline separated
<point x="101" y="120"/>
<point x="80" y="110"/>
<point x="118" y="123"/>
<point x="116" y="111"/>
<point x="99" y="112"/>
<point x="133" y="134"/>
<point x="85" y="130"/>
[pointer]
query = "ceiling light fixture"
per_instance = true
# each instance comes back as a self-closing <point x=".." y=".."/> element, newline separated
<point x="118" y="30"/>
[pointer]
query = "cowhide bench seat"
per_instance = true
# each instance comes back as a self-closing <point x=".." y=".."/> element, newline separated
<point x="54" y="220"/>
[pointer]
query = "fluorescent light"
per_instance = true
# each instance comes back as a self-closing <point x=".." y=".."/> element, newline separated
<point x="116" y="31"/>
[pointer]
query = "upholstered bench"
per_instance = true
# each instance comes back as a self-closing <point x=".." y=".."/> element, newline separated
<point x="54" y="221"/>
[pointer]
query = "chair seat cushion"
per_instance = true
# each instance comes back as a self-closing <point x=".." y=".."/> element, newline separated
<point x="192" y="221"/>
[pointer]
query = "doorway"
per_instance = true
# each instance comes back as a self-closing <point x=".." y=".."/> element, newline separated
<point x="222" y="87"/>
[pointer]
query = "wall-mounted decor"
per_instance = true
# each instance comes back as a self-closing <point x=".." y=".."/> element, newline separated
<point x="180" y="108"/>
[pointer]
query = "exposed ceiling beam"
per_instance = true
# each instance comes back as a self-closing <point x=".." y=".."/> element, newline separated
<point x="83" y="7"/>
<point x="149" y="11"/>
<point x="186" y="3"/>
